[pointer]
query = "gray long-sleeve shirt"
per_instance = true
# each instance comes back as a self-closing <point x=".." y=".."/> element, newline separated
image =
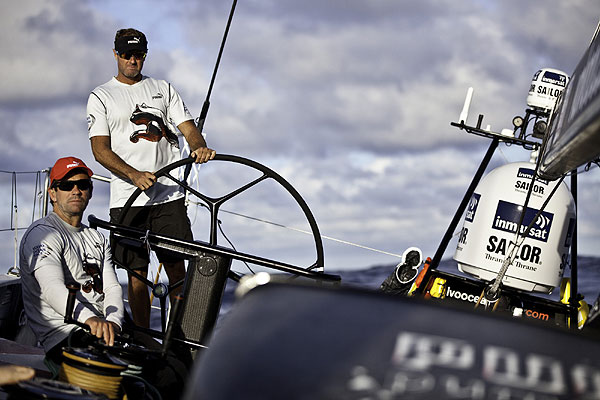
<point x="52" y="254"/>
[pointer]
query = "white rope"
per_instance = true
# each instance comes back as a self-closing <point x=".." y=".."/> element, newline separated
<point x="194" y="182"/>
<point x="309" y="232"/>
<point x="16" y="244"/>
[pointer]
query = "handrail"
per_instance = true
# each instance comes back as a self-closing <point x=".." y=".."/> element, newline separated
<point x="193" y="248"/>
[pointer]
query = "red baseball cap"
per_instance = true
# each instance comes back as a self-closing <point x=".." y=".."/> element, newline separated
<point x="64" y="165"/>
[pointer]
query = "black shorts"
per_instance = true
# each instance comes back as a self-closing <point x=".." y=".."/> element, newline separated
<point x="169" y="219"/>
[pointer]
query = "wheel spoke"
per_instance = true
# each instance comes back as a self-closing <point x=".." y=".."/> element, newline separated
<point x="242" y="189"/>
<point x="314" y="270"/>
<point x="190" y="189"/>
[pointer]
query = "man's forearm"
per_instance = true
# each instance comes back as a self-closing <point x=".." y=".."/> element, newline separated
<point x="192" y="135"/>
<point x="116" y="165"/>
<point x="110" y="160"/>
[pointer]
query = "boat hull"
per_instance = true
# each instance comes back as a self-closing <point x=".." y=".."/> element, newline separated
<point x="298" y="342"/>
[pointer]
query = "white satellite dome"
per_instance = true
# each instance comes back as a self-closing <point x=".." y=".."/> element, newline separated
<point x="492" y="220"/>
<point x="546" y="86"/>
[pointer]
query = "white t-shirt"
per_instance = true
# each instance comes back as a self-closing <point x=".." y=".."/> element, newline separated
<point x="53" y="253"/>
<point x="141" y="120"/>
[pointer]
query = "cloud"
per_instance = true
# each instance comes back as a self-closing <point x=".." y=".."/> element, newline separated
<point x="50" y="51"/>
<point x="326" y="74"/>
<point x="351" y="101"/>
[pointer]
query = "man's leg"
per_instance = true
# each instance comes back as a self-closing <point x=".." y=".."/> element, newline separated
<point x="135" y="258"/>
<point x="139" y="299"/>
<point x="171" y="219"/>
<point x="175" y="273"/>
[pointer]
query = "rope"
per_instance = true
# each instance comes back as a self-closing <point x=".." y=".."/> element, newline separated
<point x="520" y="238"/>
<point x="195" y="178"/>
<point x="155" y="281"/>
<point x="194" y="181"/>
<point x="23" y="172"/>
<point x="97" y="376"/>
<point x="310" y="233"/>
<point x="14" y="209"/>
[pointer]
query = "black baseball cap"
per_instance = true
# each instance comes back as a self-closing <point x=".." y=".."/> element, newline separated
<point x="131" y="43"/>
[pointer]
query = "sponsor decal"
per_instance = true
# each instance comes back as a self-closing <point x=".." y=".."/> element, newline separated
<point x="152" y="125"/>
<point x="526" y="252"/>
<point x="468" y="297"/>
<point x="73" y="164"/>
<point x="90" y="121"/>
<point x="536" y="315"/>
<point x="424" y="366"/>
<point x="157" y="96"/>
<point x="554" y="78"/>
<point x="462" y="238"/>
<point x="525" y="179"/>
<point x="508" y="215"/>
<point x="523" y="186"/>
<point x="472" y="208"/>
<point x="549" y="91"/>
<point x="40" y="251"/>
<point x="526" y="173"/>
<point x="134" y="40"/>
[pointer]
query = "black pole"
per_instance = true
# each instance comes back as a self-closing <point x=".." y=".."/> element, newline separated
<point x="461" y="208"/>
<point x="73" y="288"/>
<point x="574" y="300"/>
<point x="206" y="104"/>
<point x="172" y="324"/>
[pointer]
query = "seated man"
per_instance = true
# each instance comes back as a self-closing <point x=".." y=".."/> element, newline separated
<point x="58" y="249"/>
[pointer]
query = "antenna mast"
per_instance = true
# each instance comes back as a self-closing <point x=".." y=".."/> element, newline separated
<point x="206" y="104"/>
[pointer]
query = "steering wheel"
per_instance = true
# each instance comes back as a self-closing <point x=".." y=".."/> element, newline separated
<point x="214" y="204"/>
<point x="192" y="248"/>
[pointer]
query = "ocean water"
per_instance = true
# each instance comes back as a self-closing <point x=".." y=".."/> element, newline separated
<point x="588" y="276"/>
<point x="372" y="277"/>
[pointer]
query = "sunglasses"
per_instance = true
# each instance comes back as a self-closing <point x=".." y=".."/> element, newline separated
<point x="67" y="186"/>
<point x="138" y="55"/>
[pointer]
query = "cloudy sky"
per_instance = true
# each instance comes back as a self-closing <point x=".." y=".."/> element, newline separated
<point x="350" y="101"/>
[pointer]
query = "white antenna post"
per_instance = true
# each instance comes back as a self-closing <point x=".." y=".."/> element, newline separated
<point x="465" y="111"/>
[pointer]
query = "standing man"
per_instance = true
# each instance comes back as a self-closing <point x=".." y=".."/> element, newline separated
<point x="58" y="249"/>
<point x="132" y="123"/>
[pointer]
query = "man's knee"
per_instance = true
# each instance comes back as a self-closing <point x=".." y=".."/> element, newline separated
<point x="136" y="283"/>
<point x="175" y="268"/>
